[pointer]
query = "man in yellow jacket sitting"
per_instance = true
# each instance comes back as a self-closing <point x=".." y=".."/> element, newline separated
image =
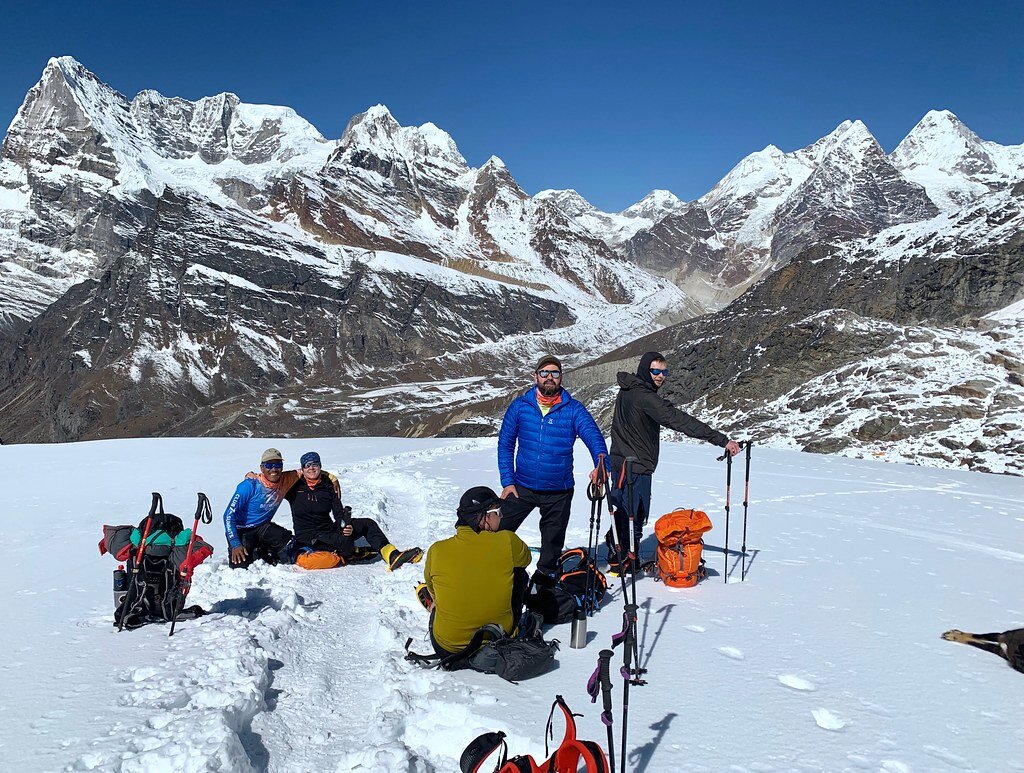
<point x="476" y="577"/>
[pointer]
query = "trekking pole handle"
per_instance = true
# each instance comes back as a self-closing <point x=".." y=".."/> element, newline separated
<point x="203" y="511"/>
<point x="604" y="665"/>
<point x="742" y="444"/>
<point x="595" y="489"/>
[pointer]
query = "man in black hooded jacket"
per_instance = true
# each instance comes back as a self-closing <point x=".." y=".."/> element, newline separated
<point x="640" y="413"/>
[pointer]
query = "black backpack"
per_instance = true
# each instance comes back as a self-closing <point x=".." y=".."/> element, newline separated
<point x="155" y="592"/>
<point x="513" y="658"/>
<point x="492" y="651"/>
<point x="579" y="585"/>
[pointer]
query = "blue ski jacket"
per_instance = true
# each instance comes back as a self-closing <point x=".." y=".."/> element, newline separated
<point x="543" y="460"/>
<point x="252" y="505"/>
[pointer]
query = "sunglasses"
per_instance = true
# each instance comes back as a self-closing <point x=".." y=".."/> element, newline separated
<point x="553" y="373"/>
<point x="659" y="371"/>
<point x="311" y="466"/>
<point x="273" y="465"/>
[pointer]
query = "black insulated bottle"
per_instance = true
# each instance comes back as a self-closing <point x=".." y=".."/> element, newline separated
<point x="120" y="584"/>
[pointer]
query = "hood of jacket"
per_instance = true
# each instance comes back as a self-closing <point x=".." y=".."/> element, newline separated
<point x="643" y="370"/>
<point x="632" y="381"/>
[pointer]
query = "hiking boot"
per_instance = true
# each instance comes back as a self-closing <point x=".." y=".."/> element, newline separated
<point x="399" y="557"/>
<point x="362" y="555"/>
<point x="424" y="597"/>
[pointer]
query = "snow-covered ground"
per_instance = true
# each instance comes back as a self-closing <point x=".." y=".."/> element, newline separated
<point x="828" y="657"/>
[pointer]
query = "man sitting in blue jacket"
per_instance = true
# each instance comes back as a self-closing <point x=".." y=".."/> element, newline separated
<point x="545" y="422"/>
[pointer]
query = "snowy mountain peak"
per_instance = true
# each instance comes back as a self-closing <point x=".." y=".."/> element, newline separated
<point x="569" y="201"/>
<point x="655" y="205"/>
<point x="850" y="137"/>
<point x="375" y="126"/>
<point x="494" y="175"/>
<point x="939" y="139"/>
<point x="376" y="132"/>
<point x="71" y="116"/>
<point x="68" y="68"/>
<point x="953" y="163"/>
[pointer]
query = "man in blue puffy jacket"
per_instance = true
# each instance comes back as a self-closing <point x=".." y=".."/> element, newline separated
<point x="545" y="423"/>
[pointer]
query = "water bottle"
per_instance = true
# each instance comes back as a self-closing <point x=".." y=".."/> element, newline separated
<point x="120" y="585"/>
<point x="578" y="637"/>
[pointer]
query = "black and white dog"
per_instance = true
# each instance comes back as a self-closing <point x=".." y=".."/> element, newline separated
<point x="1008" y="645"/>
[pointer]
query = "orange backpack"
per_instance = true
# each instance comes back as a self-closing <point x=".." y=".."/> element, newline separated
<point x="680" y="543"/>
<point x="567" y="758"/>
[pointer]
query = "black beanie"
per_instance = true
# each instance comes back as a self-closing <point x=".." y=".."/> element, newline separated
<point x="643" y="370"/>
<point x="474" y="503"/>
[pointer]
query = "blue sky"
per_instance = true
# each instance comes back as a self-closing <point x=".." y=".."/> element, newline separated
<point x="612" y="99"/>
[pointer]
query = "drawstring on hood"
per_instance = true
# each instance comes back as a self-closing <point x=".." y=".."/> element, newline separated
<point x="643" y="370"/>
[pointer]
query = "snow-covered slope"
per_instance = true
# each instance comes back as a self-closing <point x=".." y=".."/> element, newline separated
<point x="827" y="657"/>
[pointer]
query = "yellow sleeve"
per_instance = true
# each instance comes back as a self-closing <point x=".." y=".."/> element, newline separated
<point x="520" y="551"/>
<point x="428" y="575"/>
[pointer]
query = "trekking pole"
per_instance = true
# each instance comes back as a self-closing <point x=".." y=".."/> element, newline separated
<point x="601" y="682"/>
<point x="595" y="494"/>
<point x="204" y="513"/>
<point x="627" y="678"/>
<point x="134" y="579"/>
<point x="634" y="551"/>
<point x="619" y="637"/>
<point x="728" y="488"/>
<point x="617" y="537"/>
<point x="746" y="499"/>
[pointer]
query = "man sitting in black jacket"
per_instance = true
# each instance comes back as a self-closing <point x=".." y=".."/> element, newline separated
<point x="314" y="499"/>
<point x="640" y="413"/>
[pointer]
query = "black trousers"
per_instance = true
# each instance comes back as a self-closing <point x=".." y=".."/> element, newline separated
<point x="520" y="584"/>
<point x="265" y="541"/>
<point x="333" y="539"/>
<point x="554" y="519"/>
<point x="639" y="504"/>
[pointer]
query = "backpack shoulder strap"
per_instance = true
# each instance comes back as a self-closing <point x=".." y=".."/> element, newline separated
<point x="491" y="630"/>
<point x="482" y="747"/>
